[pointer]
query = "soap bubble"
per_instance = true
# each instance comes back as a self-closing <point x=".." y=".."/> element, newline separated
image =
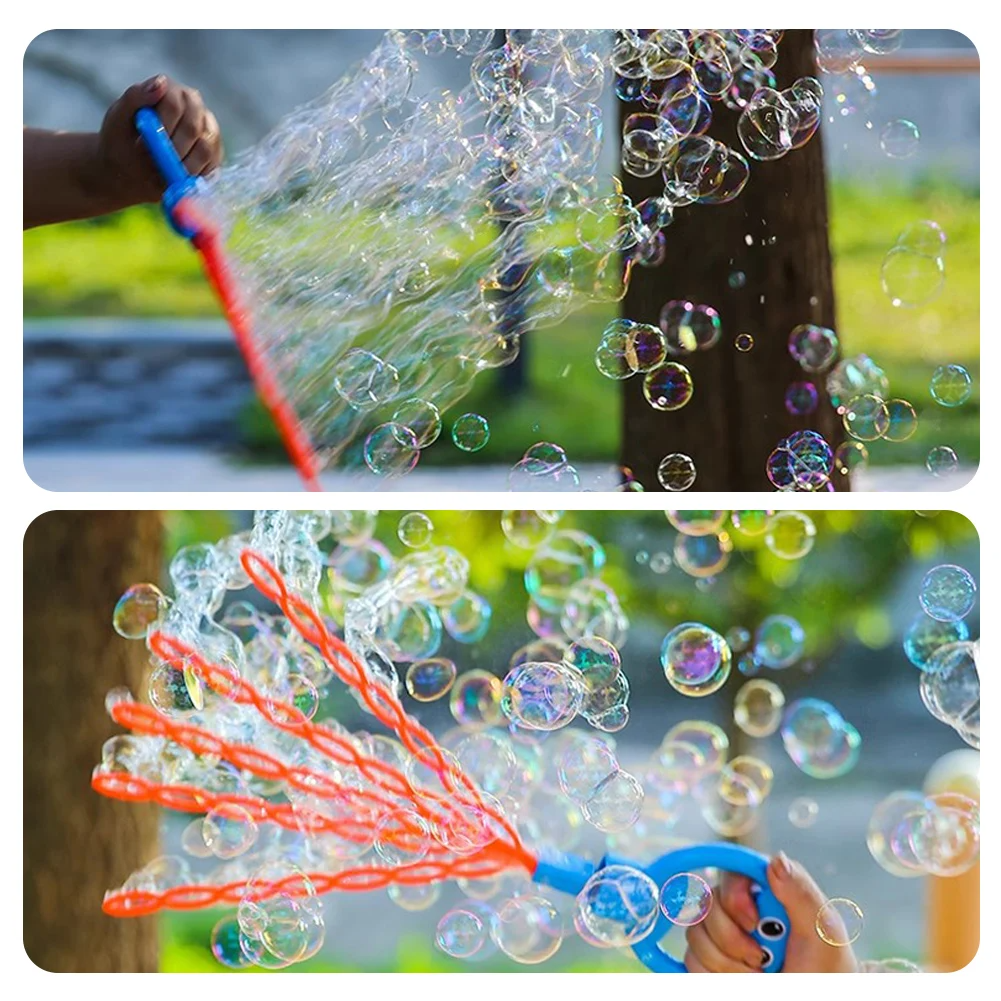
<point x="743" y="342"/>
<point x="850" y="456"/>
<point x="611" y="357"/>
<point x="902" y="421"/>
<point x="757" y="707"/>
<point x="702" y="556"/>
<point x="728" y="803"/>
<point x="597" y="661"/>
<point x="925" y="635"/>
<point x="676" y="472"/>
<point x="686" y="899"/>
<point x="138" y="611"/>
<point x="467" y="619"/>
<point x="542" y="696"/>
<point x="899" y="139"/>
<point x="428" y="680"/>
<point x="470" y="432"/>
<point x="529" y="529"/>
<point x="951" y="385"/>
<point x="710" y="740"/>
<point x="527" y="929"/>
<point x="475" y="699"/>
<point x="803" y="812"/>
<point x="402" y="838"/>
<point x="855" y="377"/>
<point x="617" y="907"/>
<point x="688" y="328"/>
<point x="225" y="944"/>
<point x="584" y="764"/>
<point x="950" y="688"/>
<point x="461" y="933"/>
<point x="813" y="347"/>
<point x="751" y="523"/>
<point x="415" y="530"/>
<point x="818" y="741"/>
<point x="778" y="641"/>
<point x="948" y="593"/>
<point x="391" y="450"/>
<point x="615" y="804"/>
<point x="422" y="418"/>
<point x="790" y="534"/>
<point x="746" y="767"/>
<point x="414" y="898"/>
<point x="911" y="279"/>
<point x="228" y="830"/>
<point x="668" y="387"/>
<point x="738" y="638"/>
<point x="942" y="461"/>
<point x="567" y="558"/>
<point x="488" y="759"/>
<point x="866" y="418"/>
<point x="945" y="835"/>
<point x="697" y="522"/>
<point x="839" y="922"/>
<point x="801" y="398"/>
<point x="695" y="658"/>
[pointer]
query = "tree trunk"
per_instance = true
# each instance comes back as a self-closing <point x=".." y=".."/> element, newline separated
<point x="78" y="844"/>
<point x="775" y="232"/>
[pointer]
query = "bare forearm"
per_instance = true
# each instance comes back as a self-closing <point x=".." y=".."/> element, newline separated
<point x="63" y="178"/>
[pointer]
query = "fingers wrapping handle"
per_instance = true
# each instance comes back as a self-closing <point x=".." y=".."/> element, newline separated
<point x="176" y="178"/>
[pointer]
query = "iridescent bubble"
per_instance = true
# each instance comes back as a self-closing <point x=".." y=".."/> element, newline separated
<point x="567" y="558"/>
<point x="801" y="398"/>
<point x="415" y="530"/>
<point x="529" y="529"/>
<point x="668" y="387"/>
<point x="850" y="456"/>
<point x="902" y="421"/>
<point x="402" y="838"/>
<point x="527" y="929"/>
<point x="755" y="771"/>
<point x="414" y="898"/>
<point x="646" y="348"/>
<point x="813" y="347"/>
<point x="839" y="922"/>
<point x="676" y="472"/>
<point x="470" y="432"/>
<point x="616" y="803"/>
<point x="686" y="899"/>
<point x="423" y="419"/>
<point x="737" y="280"/>
<point x="228" y="830"/>
<point x="751" y="523"/>
<point x="461" y="933"/>
<point x="428" y="680"/>
<point x="942" y="461"/>
<point x="582" y="767"/>
<point x="612" y="355"/>
<point x="911" y="279"/>
<point x="899" y="139"/>
<point x="926" y="635"/>
<point x="475" y="699"/>
<point x="728" y="803"/>
<point x="467" y="619"/>
<point x="790" y="534"/>
<point x="743" y="342"/>
<point x="855" y="377"/>
<point x="702" y="556"/>
<point x="738" y="638"/>
<point x="697" y="522"/>
<point x="617" y="907"/>
<point x="757" y="707"/>
<point x="391" y="450"/>
<point x="688" y="328"/>
<point x="951" y="385"/>
<point x="695" y="658"/>
<point x="803" y="812"/>
<point x="138" y="610"/>
<point x="364" y="380"/>
<point x="866" y="418"/>
<point x="818" y="740"/>
<point x="778" y="642"/>
<point x="950" y="688"/>
<point x="225" y="944"/>
<point x="542" y="696"/>
<point x="948" y="593"/>
<point x="597" y="661"/>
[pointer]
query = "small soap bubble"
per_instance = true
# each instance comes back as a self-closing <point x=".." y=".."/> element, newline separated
<point x="138" y="610"/>
<point x="813" y="347"/>
<point x="527" y="929"/>
<point x="615" y="804"/>
<point x="778" y="642"/>
<point x="668" y="387"/>
<point x="902" y="421"/>
<point x="676" y="472"/>
<point x="738" y="637"/>
<point x="803" y="812"/>
<point x="617" y="907"/>
<point x="529" y="529"/>
<point x="948" y="593"/>
<point x="422" y="418"/>
<point x="461" y="933"/>
<point x="476" y="699"/>
<point x="225" y="944"/>
<point x="743" y="342"/>
<point x="428" y="680"/>
<point x="866" y="418"/>
<point x="415" y="530"/>
<point x="391" y="450"/>
<point x="470" y="432"/>
<point x="801" y="398"/>
<point x="757" y="707"/>
<point x="686" y="899"/>
<point x="926" y="635"/>
<point x="228" y="830"/>
<point x="695" y="658"/>
<point x="951" y="385"/>
<point x="790" y="534"/>
<point x="941" y="461"/>
<point x="911" y="279"/>
<point x="839" y="922"/>
<point x="660" y="563"/>
<point x="850" y="456"/>
<point x="899" y="139"/>
<point x="737" y="279"/>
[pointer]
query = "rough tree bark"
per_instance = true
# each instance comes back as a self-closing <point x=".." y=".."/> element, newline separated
<point x="776" y="234"/>
<point x="78" y="844"/>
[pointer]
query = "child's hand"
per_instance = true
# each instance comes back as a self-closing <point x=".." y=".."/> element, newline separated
<point x="722" y="943"/>
<point x="192" y="127"/>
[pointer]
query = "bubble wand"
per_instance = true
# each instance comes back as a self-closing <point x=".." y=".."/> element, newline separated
<point x="475" y="839"/>
<point x="188" y="222"/>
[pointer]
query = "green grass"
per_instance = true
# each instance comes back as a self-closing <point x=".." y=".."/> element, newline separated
<point x="132" y="264"/>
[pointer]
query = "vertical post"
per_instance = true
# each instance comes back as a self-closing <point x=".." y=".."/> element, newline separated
<point x="953" y="903"/>
<point x="775" y="233"/>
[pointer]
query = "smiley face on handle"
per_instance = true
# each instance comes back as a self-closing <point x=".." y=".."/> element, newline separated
<point x="772" y="931"/>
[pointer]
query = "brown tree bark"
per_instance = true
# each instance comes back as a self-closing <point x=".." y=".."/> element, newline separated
<point x="78" y="844"/>
<point x="775" y="232"/>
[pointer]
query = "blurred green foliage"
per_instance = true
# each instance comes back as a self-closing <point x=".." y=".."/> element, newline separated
<point x="132" y="264"/>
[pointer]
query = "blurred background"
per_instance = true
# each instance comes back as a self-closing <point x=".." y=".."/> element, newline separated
<point x="132" y="381"/>
<point x="855" y="594"/>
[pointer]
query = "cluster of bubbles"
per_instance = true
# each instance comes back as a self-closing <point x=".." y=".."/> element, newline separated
<point x="561" y="786"/>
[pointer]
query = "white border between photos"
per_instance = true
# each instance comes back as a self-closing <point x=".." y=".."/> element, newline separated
<point x="24" y="501"/>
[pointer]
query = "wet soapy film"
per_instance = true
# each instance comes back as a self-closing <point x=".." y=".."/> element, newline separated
<point x="430" y="740"/>
<point x="660" y="227"/>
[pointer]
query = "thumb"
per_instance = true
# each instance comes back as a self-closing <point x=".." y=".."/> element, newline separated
<point x="141" y="95"/>
<point x="796" y="891"/>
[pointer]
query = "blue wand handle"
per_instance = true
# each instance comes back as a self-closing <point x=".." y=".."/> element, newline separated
<point x="569" y="873"/>
<point x="175" y="176"/>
